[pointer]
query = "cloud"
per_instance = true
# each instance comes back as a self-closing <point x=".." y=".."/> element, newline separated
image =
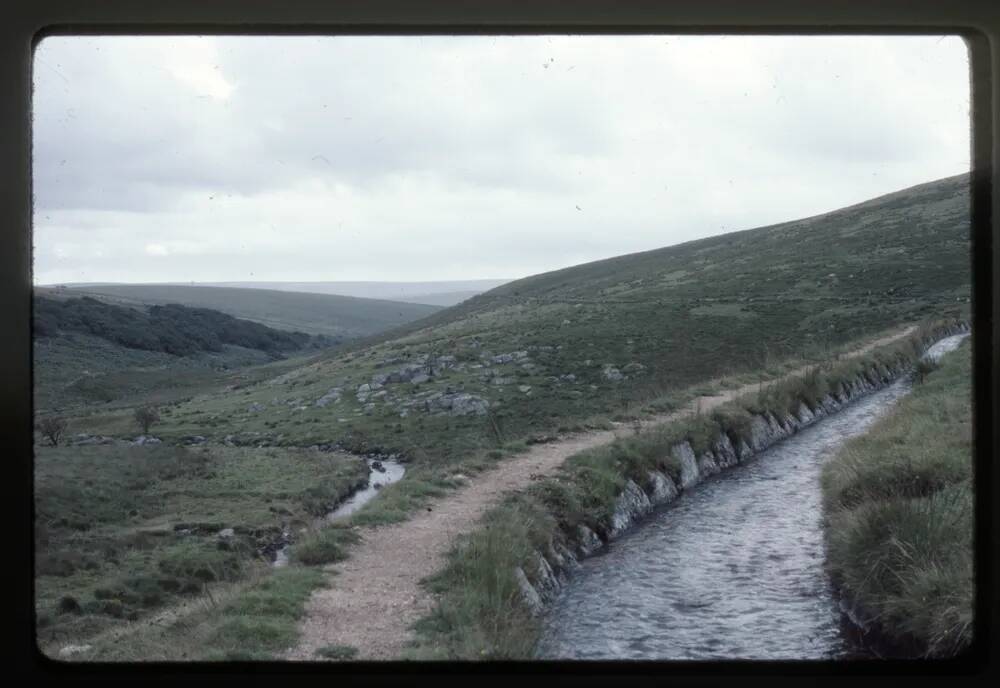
<point x="157" y="250"/>
<point x="301" y="158"/>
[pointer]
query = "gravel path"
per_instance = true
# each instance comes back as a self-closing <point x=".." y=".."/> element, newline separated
<point x="376" y="595"/>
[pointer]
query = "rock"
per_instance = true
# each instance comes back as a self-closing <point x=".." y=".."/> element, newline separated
<point x="530" y="595"/>
<point x="457" y="403"/>
<point x="630" y="505"/>
<point x="146" y="439"/>
<point x="662" y="488"/>
<point x="226" y="533"/>
<point x="760" y="433"/>
<point x="589" y="541"/>
<point x="255" y="407"/>
<point x="612" y="373"/>
<point x="333" y="396"/>
<point x="634" y="368"/>
<point x="509" y="358"/>
<point x="568" y="377"/>
<point x="689" y="466"/>
<point x="707" y="465"/>
<point x="377" y="466"/>
<point x="524" y="388"/>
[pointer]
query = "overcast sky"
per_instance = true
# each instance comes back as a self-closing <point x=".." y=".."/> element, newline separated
<point x="406" y="158"/>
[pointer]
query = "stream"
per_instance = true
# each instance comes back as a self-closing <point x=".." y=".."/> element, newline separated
<point x="390" y="472"/>
<point x="733" y="569"/>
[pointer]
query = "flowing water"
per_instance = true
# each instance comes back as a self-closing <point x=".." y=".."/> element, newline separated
<point x="733" y="569"/>
<point x="383" y="473"/>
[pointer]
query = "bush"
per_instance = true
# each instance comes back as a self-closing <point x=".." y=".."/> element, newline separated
<point x="145" y="416"/>
<point x="52" y="429"/>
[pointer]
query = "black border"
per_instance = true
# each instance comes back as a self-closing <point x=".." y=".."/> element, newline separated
<point x="978" y="22"/>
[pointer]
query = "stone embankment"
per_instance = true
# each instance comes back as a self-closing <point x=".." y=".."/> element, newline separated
<point x="549" y="572"/>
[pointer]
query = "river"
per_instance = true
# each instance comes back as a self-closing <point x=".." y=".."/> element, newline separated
<point x="733" y="569"/>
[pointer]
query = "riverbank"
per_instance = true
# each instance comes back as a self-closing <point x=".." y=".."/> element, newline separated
<point x="899" y="508"/>
<point x="502" y="574"/>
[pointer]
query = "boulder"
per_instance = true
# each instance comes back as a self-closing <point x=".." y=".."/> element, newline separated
<point x="331" y="397"/>
<point x="662" y="488"/>
<point x="684" y="454"/>
<point x="612" y="373"/>
<point x="589" y="541"/>
<point x="630" y="505"/>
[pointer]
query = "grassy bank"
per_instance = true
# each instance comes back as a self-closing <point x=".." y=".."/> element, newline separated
<point x="899" y="505"/>
<point x="481" y="613"/>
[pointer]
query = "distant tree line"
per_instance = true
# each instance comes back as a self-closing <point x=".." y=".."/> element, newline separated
<point x="172" y="329"/>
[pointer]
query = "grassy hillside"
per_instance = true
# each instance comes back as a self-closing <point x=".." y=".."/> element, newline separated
<point x="601" y="339"/>
<point x="337" y="316"/>
<point x="89" y="352"/>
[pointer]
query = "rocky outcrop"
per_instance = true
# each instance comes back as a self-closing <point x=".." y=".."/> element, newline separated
<point x="549" y="573"/>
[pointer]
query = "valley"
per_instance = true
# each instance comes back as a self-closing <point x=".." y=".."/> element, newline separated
<point x="479" y="400"/>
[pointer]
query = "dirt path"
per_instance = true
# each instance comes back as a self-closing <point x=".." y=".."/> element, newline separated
<point x="376" y="595"/>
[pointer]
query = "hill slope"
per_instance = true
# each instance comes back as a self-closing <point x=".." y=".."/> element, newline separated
<point x="338" y="316"/>
<point x="596" y="339"/>
<point x="443" y="293"/>
<point x="88" y="351"/>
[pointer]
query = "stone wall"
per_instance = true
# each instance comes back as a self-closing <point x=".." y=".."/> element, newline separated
<point x="549" y="572"/>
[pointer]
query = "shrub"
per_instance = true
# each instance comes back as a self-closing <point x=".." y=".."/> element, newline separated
<point x="52" y="429"/>
<point x="145" y="416"/>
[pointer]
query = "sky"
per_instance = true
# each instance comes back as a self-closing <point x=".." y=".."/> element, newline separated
<point x="435" y="158"/>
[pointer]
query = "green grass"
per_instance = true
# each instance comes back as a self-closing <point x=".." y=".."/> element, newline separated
<point x="899" y="512"/>
<point x="480" y="613"/>
<point x="124" y="531"/>
<point x="252" y="621"/>
<point x="325" y="545"/>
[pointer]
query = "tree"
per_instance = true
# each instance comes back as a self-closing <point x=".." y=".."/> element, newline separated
<point x="145" y="416"/>
<point x="52" y="429"/>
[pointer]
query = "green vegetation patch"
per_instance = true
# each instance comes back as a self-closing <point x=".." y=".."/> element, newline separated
<point x="899" y="512"/>
<point x="123" y="531"/>
<point x="256" y="621"/>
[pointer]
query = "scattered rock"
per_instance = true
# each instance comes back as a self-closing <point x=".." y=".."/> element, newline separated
<point x="330" y="397"/>
<point x="509" y="358"/>
<point x="146" y="439"/>
<point x="612" y="373"/>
